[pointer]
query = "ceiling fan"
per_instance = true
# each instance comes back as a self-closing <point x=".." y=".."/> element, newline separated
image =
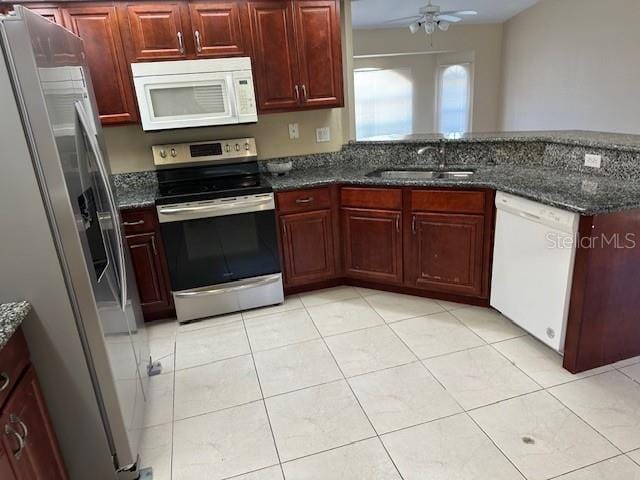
<point x="431" y="18"/>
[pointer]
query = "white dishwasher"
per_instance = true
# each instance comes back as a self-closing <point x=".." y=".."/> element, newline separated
<point x="534" y="252"/>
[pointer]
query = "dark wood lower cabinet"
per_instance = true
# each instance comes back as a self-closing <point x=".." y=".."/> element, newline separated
<point x="154" y="294"/>
<point x="28" y="435"/>
<point x="446" y="252"/>
<point x="149" y="261"/>
<point x="6" y="472"/>
<point x="432" y="242"/>
<point x="28" y="445"/>
<point x="307" y="247"/>
<point x="372" y="244"/>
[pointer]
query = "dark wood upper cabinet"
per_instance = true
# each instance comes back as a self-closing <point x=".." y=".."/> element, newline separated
<point x="372" y="244"/>
<point x="158" y="31"/>
<point x="307" y="244"/>
<point x="98" y="27"/>
<point x="25" y="416"/>
<point x="297" y="54"/>
<point x="319" y="52"/>
<point x="52" y="13"/>
<point x="275" y="58"/>
<point x="220" y="29"/>
<point x="447" y="252"/>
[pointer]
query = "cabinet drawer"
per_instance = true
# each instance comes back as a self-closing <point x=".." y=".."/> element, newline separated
<point x="378" y="198"/>
<point x="304" y="200"/>
<point x="141" y="220"/>
<point x="14" y="359"/>
<point x="457" y="201"/>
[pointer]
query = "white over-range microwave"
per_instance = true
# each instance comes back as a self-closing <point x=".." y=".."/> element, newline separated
<point x="195" y="93"/>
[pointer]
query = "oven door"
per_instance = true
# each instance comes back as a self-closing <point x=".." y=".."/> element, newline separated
<point x="186" y="100"/>
<point x="220" y="241"/>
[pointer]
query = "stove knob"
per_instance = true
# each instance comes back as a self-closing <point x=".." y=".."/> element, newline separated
<point x="237" y="147"/>
<point x="247" y="147"/>
<point x="163" y="153"/>
<point x="173" y="152"/>
<point x="227" y="148"/>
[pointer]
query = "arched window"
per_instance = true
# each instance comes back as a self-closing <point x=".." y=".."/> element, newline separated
<point x="454" y="99"/>
<point x="384" y="102"/>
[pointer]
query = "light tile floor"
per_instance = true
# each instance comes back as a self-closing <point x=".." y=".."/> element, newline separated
<point x="351" y="383"/>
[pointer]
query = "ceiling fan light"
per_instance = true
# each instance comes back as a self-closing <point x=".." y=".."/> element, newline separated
<point x="444" y="26"/>
<point x="429" y="27"/>
<point x="414" y="27"/>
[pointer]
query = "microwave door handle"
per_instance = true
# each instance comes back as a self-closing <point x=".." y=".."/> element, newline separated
<point x="102" y="171"/>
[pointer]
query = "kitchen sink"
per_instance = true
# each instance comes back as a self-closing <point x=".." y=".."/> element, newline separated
<point x="418" y="174"/>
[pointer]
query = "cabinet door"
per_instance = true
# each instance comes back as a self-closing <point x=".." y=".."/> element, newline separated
<point x="307" y="245"/>
<point x="319" y="52"/>
<point x="98" y="27"/>
<point x="150" y="272"/>
<point x="6" y="472"/>
<point x="50" y="12"/>
<point x="372" y="242"/>
<point x="219" y="28"/>
<point x="275" y="58"/>
<point x="159" y="31"/>
<point x="447" y="252"/>
<point x="28" y="436"/>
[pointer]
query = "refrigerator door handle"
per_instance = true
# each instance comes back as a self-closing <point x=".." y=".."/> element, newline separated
<point x="122" y="273"/>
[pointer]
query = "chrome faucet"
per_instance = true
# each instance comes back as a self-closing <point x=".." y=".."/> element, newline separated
<point x="441" y="149"/>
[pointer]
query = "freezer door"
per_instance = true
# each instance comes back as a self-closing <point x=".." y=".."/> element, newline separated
<point x="54" y="90"/>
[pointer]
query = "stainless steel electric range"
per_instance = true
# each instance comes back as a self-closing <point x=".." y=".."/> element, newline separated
<point x="218" y="224"/>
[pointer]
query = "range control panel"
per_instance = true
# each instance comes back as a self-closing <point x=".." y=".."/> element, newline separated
<point x="215" y="151"/>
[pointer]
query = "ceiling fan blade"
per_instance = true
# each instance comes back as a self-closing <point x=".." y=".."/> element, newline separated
<point x="460" y="12"/>
<point x="449" y="18"/>
<point x="403" y="19"/>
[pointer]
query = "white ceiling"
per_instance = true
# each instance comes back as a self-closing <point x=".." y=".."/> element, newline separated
<point x="377" y="13"/>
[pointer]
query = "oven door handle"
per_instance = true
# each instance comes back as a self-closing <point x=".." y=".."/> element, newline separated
<point x="220" y="207"/>
<point x="218" y="291"/>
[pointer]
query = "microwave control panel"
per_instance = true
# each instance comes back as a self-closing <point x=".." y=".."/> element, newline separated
<point x="245" y="95"/>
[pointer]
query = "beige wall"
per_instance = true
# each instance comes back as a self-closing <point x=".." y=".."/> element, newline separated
<point x="483" y="42"/>
<point x="573" y="64"/>
<point x="129" y="147"/>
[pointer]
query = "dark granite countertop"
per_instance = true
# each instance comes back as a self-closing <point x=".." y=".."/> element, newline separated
<point x="612" y="141"/>
<point x="576" y="192"/>
<point x="11" y="317"/>
<point x="136" y="190"/>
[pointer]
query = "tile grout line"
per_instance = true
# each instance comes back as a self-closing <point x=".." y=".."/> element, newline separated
<point x="588" y="466"/>
<point x="264" y="403"/>
<point x="173" y="409"/>
<point x="344" y="378"/>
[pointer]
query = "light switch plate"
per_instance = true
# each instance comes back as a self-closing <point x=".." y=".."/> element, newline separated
<point x="294" y="131"/>
<point x="323" y="134"/>
<point x="591" y="160"/>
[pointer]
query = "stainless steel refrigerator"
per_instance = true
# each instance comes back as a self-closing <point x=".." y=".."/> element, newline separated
<point x="62" y="250"/>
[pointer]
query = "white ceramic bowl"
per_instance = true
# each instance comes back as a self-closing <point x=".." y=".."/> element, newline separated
<point x="279" y="168"/>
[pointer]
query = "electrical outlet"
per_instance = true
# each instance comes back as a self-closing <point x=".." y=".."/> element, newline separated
<point x="323" y="134"/>
<point x="294" y="131"/>
<point x="591" y="160"/>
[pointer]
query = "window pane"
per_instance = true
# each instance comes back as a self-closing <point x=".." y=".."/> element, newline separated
<point x="453" y="116"/>
<point x="384" y="102"/>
